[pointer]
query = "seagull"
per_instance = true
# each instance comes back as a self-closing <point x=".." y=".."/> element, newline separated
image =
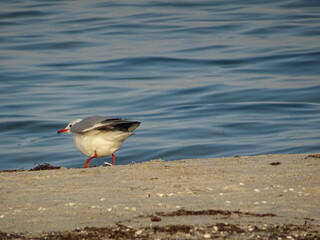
<point x="98" y="137"/>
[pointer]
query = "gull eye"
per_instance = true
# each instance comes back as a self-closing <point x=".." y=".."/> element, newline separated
<point x="70" y="125"/>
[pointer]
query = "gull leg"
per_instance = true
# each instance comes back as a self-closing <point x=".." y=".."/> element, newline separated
<point x="87" y="164"/>
<point x="113" y="159"/>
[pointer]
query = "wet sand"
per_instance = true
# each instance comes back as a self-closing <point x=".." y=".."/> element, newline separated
<point x="271" y="196"/>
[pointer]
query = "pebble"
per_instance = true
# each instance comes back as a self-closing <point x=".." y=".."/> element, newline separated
<point x="139" y="232"/>
<point x="257" y="190"/>
<point x="102" y="199"/>
<point x="215" y="229"/>
<point x="207" y="235"/>
<point x="41" y="209"/>
<point x="71" y="204"/>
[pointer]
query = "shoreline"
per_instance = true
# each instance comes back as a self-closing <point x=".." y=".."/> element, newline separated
<point x="192" y="198"/>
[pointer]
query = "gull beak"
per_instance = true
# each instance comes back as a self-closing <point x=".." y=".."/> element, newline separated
<point x="62" y="130"/>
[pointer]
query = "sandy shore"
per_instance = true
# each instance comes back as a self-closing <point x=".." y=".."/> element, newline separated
<point x="270" y="196"/>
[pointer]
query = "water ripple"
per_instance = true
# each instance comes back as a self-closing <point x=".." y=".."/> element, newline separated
<point x="205" y="78"/>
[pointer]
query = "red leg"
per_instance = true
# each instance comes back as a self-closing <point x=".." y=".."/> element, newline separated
<point x="113" y="159"/>
<point x="87" y="164"/>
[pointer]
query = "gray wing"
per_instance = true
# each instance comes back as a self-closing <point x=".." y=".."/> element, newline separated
<point x="104" y="124"/>
<point x="87" y="124"/>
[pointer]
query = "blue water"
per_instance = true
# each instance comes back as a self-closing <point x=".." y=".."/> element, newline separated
<point x="205" y="78"/>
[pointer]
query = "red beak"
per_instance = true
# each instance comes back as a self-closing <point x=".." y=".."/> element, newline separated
<point x="62" y="130"/>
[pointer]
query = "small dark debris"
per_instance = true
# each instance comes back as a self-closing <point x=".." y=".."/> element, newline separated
<point x="309" y="219"/>
<point x="172" y="229"/>
<point x="254" y="214"/>
<point x="224" y="227"/>
<point x="12" y="170"/>
<point x="45" y="166"/>
<point x="275" y="163"/>
<point x="183" y="212"/>
<point x="313" y="156"/>
<point x="155" y="219"/>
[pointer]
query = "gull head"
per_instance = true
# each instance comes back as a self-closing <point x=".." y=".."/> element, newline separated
<point x="68" y="127"/>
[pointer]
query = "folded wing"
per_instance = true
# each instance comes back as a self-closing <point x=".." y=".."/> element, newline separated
<point x="104" y="124"/>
